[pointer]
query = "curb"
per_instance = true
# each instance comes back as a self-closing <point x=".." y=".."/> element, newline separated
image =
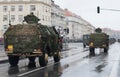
<point x="3" y="61"/>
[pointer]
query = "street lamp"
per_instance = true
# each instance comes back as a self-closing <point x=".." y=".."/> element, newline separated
<point x="9" y="19"/>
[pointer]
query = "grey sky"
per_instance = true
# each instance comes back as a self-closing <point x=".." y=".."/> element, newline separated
<point x="87" y="10"/>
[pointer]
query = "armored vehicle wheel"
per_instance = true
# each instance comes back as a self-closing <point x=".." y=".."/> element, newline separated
<point x="43" y="60"/>
<point x="31" y="62"/>
<point x="92" y="51"/>
<point x="57" y="57"/>
<point x="84" y="46"/>
<point x="105" y="50"/>
<point x="13" y="60"/>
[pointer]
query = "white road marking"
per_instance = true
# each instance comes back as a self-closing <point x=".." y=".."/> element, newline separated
<point x="30" y="72"/>
<point x="26" y="73"/>
<point x="115" y="66"/>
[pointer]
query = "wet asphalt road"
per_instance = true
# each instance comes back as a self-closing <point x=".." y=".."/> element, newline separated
<point x="74" y="63"/>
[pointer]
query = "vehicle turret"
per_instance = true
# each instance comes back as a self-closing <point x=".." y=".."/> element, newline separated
<point x="31" y="19"/>
<point x="98" y="30"/>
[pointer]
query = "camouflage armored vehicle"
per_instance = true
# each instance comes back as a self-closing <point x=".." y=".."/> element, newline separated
<point x="98" y="40"/>
<point x="31" y="40"/>
<point x="112" y="40"/>
<point x="118" y="40"/>
<point x="85" y="40"/>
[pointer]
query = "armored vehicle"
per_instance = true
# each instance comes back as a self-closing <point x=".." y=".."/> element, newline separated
<point x="118" y="40"/>
<point x="85" y="40"/>
<point x="98" y="40"/>
<point x="31" y="40"/>
<point x="112" y="40"/>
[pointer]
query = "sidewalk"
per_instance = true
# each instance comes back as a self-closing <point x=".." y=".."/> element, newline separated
<point x="3" y="55"/>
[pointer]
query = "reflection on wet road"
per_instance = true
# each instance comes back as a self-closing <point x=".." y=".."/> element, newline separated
<point x="102" y="65"/>
<point x="74" y="63"/>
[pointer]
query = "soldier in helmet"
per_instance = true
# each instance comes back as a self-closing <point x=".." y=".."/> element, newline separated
<point x="98" y="30"/>
<point x="31" y="18"/>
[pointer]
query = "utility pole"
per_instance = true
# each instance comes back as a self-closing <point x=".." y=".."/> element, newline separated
<point x="9" y="19"/>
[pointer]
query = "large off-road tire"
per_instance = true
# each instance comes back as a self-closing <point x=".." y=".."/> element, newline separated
<point x="13" y="60"/>
<point x="92" y="51"/>
<point x="105" y="50"/>
<point x="32" y="61"/>
<point x="43" y="60"/>
<point x="84" y="45"/>
<point x="56" y="56"/>
<point x="13" y="70"/>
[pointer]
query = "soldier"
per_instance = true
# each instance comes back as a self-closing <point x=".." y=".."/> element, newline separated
<point x="98" y="30"/>
<point x="31" y="19"/>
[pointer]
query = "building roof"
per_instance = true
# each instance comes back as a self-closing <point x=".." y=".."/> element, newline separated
<point x="68" y="13"/>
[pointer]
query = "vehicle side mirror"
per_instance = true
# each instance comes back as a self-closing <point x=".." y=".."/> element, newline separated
<point x="66" y="30"/>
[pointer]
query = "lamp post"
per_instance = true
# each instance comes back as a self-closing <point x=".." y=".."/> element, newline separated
<point x="9" y="19"/>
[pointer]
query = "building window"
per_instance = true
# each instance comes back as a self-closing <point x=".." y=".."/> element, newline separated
<point x="32" y="8"/>
<point x="20" y="18"/>
<point x="45" y="1"/>
<point x="12" y="0"/>
<point x="46" y="18"/>
<point x="49" y="18"/>
<point x="20" y="8"/>
<point x="5" y="26"/>
<point x="43" y="17"/>
<point x="5" y="8"/>
<point x="43" y="8"/>
<point x="49" y="10"/>
<point x="12" y="18"/>
<point x="46" y="9"/>
<point x="5" y="0"/>
<point x="5" y="17"/>
<point x="12" y="8"/>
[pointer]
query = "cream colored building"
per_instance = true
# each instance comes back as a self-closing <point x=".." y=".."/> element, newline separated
<point x="77" y="26"/>
<point x="58" y="18"/>
<point x="13" y="11"/>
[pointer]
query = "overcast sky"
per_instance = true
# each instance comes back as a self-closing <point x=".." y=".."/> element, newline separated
<point x="87" y="9"/>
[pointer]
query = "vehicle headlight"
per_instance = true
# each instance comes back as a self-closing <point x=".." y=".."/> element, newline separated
<point x="9" y="49"/>
<point x="91" y="44"/>
<point x="104" y="45"/>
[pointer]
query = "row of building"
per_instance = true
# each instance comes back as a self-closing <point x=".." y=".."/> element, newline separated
<point x="112" y="33"/>
<point x="49" y="13"/>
